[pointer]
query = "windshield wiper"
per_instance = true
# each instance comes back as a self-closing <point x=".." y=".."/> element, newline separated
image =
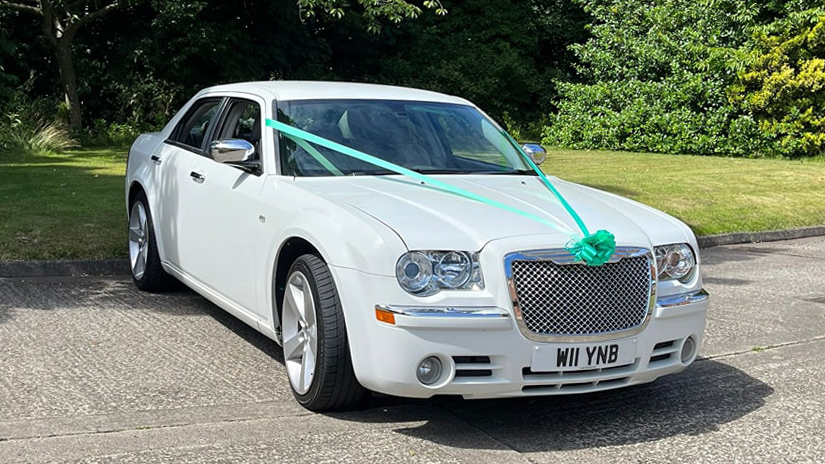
<point x="440" y="171"/>
<point x="514" y="172"/>
<point x="373" y="172"/>
<point x="381" y="172"/>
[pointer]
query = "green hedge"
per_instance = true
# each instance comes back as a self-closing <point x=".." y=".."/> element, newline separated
<point x="711" y="77"/>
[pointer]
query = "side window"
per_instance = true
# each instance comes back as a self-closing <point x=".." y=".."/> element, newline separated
<point x="192" y="129"/>
<point x="243" y="121"/>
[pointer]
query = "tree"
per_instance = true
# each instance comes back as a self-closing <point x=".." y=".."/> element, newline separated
<point x="6" y="80"/>
<point x="60" y="21"/>
<point x="372" y="10"/>
<point x="506" y="62"/>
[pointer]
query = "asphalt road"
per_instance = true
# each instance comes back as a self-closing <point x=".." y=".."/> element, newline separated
<point x="92" y="370"/>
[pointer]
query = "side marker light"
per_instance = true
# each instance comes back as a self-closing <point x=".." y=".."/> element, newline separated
<point x="385" y="316"/>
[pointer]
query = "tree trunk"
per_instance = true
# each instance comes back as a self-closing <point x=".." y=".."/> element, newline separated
<point x="68" y="80"/>
<point x="59" y="27"/>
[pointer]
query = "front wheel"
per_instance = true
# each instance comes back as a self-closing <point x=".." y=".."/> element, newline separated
<point x="316" y="350"/>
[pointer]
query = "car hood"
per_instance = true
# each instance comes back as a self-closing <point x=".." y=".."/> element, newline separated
<point x="428" y="218"/>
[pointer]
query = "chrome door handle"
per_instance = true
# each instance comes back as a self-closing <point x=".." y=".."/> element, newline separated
<point x="197" y="177"/>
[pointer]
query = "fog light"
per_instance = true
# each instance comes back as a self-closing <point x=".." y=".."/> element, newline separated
<point x="688" y="350"/>
<point x="429" y="370"/>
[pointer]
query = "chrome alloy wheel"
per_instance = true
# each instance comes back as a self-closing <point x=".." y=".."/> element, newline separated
<point x="300" y="332"/>
<point x="138" y="239"/>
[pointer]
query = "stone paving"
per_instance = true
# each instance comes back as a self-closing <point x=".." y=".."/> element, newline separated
<point x="92" y="370"/>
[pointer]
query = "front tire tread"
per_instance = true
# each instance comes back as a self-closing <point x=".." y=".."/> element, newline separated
<point x="335" y="385"/>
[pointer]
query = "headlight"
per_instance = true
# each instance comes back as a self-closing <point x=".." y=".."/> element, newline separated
<point x="675" y="262"/>
<point x="414" y="272"/>
<point x="424" y="273"/>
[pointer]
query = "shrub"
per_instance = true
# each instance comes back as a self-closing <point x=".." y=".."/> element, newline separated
<point x="674" y="115"/>
<point x="107" y="134"/>
<point x="715" y="77"/>
<point x="783" y="84"/>
<point x="26" y="128"/>
<point x="658" y="77"/>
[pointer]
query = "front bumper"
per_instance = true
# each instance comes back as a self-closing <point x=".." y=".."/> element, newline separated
<point x="486" y="356"/>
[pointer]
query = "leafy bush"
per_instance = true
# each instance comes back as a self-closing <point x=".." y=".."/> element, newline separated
<point x="784" y="83"/>
<point x="715" y="77"/>
<point x="659" y="73"/>
<point x="142" y="100"/>
<point x="661" y="117"/>
<point x="107" y="134"/>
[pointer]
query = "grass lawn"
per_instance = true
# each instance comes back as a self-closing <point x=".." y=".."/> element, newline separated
<point x="70" y="206"/>
<point x="67" y="206"/>
<point x="713" y="195"/>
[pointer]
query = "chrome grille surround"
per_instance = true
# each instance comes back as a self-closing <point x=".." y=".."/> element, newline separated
<point x="634" y="279"/>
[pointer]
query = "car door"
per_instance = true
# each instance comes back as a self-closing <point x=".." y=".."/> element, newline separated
<point x="219" y="247"/>
<point x="177" y="194"/>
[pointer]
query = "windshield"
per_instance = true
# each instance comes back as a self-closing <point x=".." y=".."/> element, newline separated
<point x="430" y="138"/>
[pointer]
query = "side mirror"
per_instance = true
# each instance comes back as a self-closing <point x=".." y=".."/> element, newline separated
<point x="237" y="152"/>
<point x="535" y="151"/>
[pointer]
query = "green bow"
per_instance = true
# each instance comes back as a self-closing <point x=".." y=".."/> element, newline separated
<point x="595" y="249"/>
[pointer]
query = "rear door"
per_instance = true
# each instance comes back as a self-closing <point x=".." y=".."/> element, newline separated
<point x="178" y="208"/>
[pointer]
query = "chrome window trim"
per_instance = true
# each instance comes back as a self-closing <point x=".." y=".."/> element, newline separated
<point x="563" y="257"/>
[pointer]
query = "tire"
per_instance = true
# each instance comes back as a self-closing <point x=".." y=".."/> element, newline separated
<point x="144" y="260"/>
<point x="316" y="350"/>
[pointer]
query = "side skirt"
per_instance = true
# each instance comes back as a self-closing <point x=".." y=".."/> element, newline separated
<point x="244" y="315"/>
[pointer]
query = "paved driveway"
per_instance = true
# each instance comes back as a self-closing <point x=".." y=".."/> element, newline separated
<point x="91" y="370"/>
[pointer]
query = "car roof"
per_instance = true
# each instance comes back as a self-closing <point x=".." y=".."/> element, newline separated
<point x="320" y="90"/>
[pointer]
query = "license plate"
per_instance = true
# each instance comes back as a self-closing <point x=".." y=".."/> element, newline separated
<point x="579" y="356"/>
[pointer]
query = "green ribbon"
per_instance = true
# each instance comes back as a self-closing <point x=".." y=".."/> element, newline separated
<point x="550" y="186"/>
<point x="321" y="159"/>
<point x="594" y="249"/>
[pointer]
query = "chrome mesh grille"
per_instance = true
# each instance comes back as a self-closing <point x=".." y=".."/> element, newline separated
<point x="575" y="299"/>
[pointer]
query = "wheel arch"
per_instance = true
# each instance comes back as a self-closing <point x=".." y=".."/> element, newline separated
<point x="337" y="239"/>
<point x="134" y="189"/>
<point x="289" y="251"/>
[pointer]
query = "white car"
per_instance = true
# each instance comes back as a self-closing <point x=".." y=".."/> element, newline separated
<point x="397" y="240"/>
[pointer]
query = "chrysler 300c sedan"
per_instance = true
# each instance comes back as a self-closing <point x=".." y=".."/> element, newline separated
<point x="399" y="241"/>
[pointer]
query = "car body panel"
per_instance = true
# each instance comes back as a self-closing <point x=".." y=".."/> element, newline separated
<point x="430" y="219"/>
<point x="223" y="238"/>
